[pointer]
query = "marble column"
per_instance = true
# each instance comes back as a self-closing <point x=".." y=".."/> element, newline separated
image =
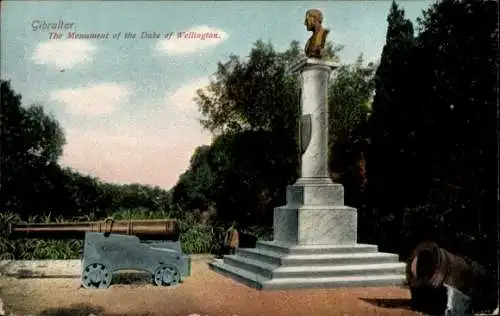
<point x="314" y="80"/>
<point x="315" y="212"/>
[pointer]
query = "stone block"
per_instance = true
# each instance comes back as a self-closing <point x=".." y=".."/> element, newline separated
<point x="316" y="225"/>
<point x="315" y="194"/>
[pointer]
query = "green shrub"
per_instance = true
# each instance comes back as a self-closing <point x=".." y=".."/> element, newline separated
<point x="29" y="249"/>
<point x="197" y="238"/>
<point x="139" y="213"/>
<point x="48" y="249"/>
<point x="7" y="247"/>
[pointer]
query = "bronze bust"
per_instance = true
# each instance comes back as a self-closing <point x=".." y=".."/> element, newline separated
<point x="316" y="43"/>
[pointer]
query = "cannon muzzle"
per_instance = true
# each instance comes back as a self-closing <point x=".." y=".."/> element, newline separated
<point x="430" y="266"/>
<point x="145" y="229"/>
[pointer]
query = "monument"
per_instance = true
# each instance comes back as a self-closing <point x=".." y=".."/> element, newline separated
<point x="314" y="235"/>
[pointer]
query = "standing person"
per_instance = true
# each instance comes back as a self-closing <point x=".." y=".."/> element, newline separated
<point x="232" y="240"/>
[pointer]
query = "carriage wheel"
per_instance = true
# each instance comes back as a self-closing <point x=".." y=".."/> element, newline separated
<point x="96" y="276"/>
<point x="166" y="275"/>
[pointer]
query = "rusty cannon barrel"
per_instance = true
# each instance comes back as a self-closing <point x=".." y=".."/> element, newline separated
<point x="431" y="267"/>
<point x="167" y="229"/>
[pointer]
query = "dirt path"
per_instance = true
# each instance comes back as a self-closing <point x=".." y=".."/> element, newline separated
<point x="204" y="293"/>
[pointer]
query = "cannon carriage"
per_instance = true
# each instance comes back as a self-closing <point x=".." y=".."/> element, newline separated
<point x="152" y="246"/>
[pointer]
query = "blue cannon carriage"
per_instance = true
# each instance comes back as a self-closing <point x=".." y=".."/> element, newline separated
<point x="151" y="246"/>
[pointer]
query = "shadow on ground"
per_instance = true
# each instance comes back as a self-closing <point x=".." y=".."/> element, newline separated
<point x="73" y="310"/>
<point x="402" y="303"/>
<point x="83" y="310"/>
<point x="132" y="277"/>
<point x="145" y="314"/>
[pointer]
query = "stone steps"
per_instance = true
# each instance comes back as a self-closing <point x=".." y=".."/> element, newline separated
<point x="275" y="265"/>
<point x="315" y="249"/>
<point x="239" y="275"/>
<point x="280" y="259"/>
<point x="262" y="283"/>
<point x="335" y="282"/>
<point x="275" y="271"/>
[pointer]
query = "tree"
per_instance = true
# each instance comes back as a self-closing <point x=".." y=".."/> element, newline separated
<point x="196" y="186"/>
<point x="386" y="159"/>
<point x="432" y="154"/>
<point x="28" y="133"/>
<point x="349" y="106"/>
<point x="70" y="194"/>
<point x="457" y="69"/>
<point x="32" y="142"/>
<point x="243" y="176"/>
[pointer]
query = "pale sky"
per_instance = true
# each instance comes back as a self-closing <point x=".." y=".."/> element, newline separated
<point x="126" y="105"/>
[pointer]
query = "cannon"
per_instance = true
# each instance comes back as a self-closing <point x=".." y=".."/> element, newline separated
<point x="109" y="246"/>
<point x="431" y="271"/>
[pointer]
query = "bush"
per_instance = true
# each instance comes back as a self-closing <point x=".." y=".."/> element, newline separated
<point x="197" y="238"/>
<point x="30" y="249"/>
<point x="7" y="247"/>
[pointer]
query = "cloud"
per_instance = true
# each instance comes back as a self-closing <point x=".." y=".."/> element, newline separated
<point x="97" y="99"/>
<point x="63" y="53"/>
<point x="194" y="39"/>
<point x="181" y="105"/>
<point x="152" y="145"/>
<point x="183" y="97"/>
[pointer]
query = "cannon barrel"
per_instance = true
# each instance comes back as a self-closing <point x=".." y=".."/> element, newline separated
<point x="145" y="229"/>
<point x="431" y="266"/>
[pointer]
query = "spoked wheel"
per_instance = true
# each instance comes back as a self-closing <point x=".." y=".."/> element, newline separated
<point x="96" y="276"/>
<point x="167" y="275"/>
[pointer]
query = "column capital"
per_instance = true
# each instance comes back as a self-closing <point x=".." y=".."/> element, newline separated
<point x="307" y="63"/>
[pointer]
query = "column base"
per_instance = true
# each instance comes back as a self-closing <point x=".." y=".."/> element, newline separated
<point x="313" y="225"/>
<point x="315" y="215"/>
<point x="315" y="191"/>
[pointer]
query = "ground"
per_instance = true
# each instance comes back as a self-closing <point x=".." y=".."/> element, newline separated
<point x="204" y="292"/>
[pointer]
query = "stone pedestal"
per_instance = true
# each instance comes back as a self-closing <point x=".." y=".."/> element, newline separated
<point x="315" y="234"/>
<point x="315" y="215"/>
